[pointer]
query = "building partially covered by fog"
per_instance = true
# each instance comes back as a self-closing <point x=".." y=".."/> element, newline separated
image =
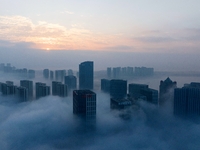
<point x="59" y="89"/>
<point x="134" y="90"/>
<point x="29" y="85"/>
<point x="84" y="104"/>
<point x="41" y="90"/>
<point x="71" y="82"/>
<point x="105" y="85"/>
<point x="22" y="93"/>
<point x="86" y="75"/>
<point x="120" y="104"/>
<point x="59" y="75"/>
<point x="46" y="73"/>
<point x="151" y="95"/>
<point x="7" y="88"/>
<point x="144" y="71"/>
<point x="118" y="88"/>
<point x="187" y="100"/>
<point x="166" y="87"/>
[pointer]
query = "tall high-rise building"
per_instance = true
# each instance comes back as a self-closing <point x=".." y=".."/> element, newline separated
<point x="22" y="93"/>
<point x="29" y="85"/>
<point x="59" y="89"/>
<point x="86" y="75"/>
<point x="54" y="87"/>
<point x="84" y="104"/>
<point x="166" y="89"/>
<point x="135" y="90"/>
<point x="187" y="100"/>
<point x="70" y="72"/>
<point x="105" y="85"/>
<point x="118" y="88"/>
<point x="71" y="82"/>
<point x="41" y="90"/>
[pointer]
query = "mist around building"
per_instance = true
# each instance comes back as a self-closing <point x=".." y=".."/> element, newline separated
<point x="133" y="107"/>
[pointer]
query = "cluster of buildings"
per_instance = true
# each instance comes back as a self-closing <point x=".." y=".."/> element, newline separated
<point x="121" y="72"/>
<point x="24" y="72"/>
<point x="186" y="100"/>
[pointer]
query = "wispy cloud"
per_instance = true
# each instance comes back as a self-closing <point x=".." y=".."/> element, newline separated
<point x="67" y="12"/>
<point x="43" y="34"/>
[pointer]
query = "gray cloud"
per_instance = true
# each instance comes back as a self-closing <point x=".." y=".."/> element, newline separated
<point x="48" y="123"/>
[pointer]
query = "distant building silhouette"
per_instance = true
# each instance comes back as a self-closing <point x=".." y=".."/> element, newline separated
<point x="86" y="75"/>
<point x="118" y="88"/>
<point x="29" y="85"/>
<point x="46" y="73"/>
<point x="41" y="90"/>
<point x="60" y="74"/>
<point x="59" y="89"/>
<point x="31" y="74"/>
<point x="71" y="82"/>
<point x="22" y="93"/>
<point x="70" y="72"/>
<point x="144" y="71"/>
<point x="105" y="85"/>
<point x="84" y="104"/>
<point x="187" y="100"/>
<point x="164" y="90"/>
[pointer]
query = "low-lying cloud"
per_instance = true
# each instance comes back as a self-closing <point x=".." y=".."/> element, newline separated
<point x="48" y="123"/>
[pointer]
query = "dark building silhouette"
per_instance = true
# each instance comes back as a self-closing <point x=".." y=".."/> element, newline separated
<point x="29" y="85"/>
<point x="116" y="72"/>
<point x="164" y="90"/>
<point x="7" y="88"/>
<point x="135" y="90"/>
<point x="22" y="93"/>
<point x="84" y="104"/>
<point x="41" y="90"/>
<point x="151" y="95"/>
<point x="86" y="75"/>
<point x="105" y="85"/>
<point x="46" y="73"/>
<point x="118" y="88"/>
<point x="54" y="87"/>
<point x="71" y="82"/>
<point x="187" y="100"/>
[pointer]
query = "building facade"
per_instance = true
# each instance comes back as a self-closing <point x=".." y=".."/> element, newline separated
<point x="86" y="75"/>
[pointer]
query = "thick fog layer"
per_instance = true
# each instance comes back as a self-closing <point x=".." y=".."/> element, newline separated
<point x="48" y="123"/>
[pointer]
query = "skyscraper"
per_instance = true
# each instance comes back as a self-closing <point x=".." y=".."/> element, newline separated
<point x="41" y="90"/>
<point x="187" y="100"/>
<point x="164" y="89"/>
<point x="71" y="82"/>
<point x="118" y="88"/>
<point x="29" y="85"/>
<point x="86" y="75"/>
<point x="84" y="104"/>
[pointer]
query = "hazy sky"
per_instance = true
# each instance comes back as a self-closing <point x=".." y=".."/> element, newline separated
<point x="130" y="25"/>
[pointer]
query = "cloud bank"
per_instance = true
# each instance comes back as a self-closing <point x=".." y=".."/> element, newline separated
<point x="48" y="123"/>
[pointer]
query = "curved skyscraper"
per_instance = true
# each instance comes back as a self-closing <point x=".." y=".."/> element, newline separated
<point x="86" y="75"/>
